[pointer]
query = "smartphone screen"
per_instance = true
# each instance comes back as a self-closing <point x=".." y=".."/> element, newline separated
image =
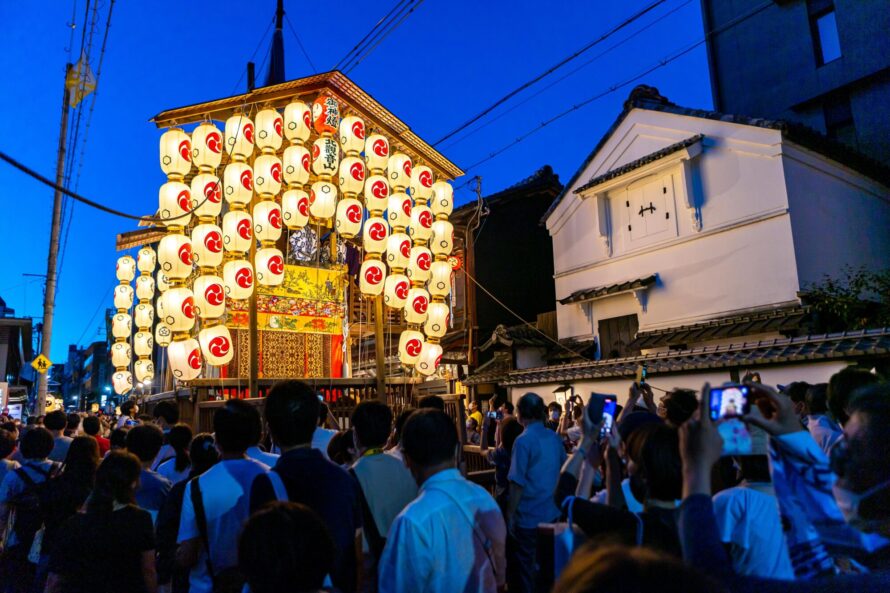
<point x="595" y="407"/>
<point x="726" y="405"/>
<point x="610" y="406"/>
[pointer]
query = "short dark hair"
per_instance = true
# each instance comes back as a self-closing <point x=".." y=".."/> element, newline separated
<point x="144" y="441"/>
<point x="553" y="406"/>
<point x="531" y="407"/>
<point x="37" y="443"/>
<point x="679" y="405"/>
<point x="372" y="420"/>
<point x="509" y="406"/>
<point x="797" y="391"/>
<point x="817" y="399"/>
<point x="168" y="411"/>
<point x="118" y="438"/>
<point x="660" y="463"/>
<point x="233" y="426"/>
<point x="127" y="407"/>
<point x="431" y="401"/>
<point x="291" y="412"/>
<point x="56" y="420"/>
<point x="73" y="421"/>
<point x="842" y="385"/>
<point x="510" y="429"/>
<point x="91" y="425"/>
<point x="429" y="437"/>
<point x="400" y="421"/>
<point x="339" y="447"/>
<point x="115" y="479"/>
<point x="285" y="546"/>
<point x="203" y="453"/>
<point x="7" y="443"/>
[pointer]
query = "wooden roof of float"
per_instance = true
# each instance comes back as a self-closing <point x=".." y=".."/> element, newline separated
<point x="351" y="97"/>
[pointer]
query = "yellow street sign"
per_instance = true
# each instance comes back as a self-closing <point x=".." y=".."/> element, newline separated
<point x="41" y="364"/>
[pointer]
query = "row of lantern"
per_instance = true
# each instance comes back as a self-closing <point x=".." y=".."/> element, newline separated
<point x="122" y="321"/>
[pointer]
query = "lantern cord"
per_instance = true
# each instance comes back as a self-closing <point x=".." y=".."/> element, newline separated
<point x="354" y="51"/>
<point x="360" y="59"/>
<point x="551" y="70"/>
<point x="300" y="43"/>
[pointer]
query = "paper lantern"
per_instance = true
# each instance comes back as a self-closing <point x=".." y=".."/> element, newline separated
<point x="143" y="343"/>
<point x="207" y="245"/>
<point x="122" y="382"/>
<point x="371" y="277"/>
<point x="352" y="176"/>
<point x="175" y="204"/>
<point x="410" y="346"/>
<point x="417" y="305"/>
<point x="207" y="146"/>
<point x="175" y="256"/>
<point x="144" y="370"/>
<point x="176" y="308"/>
<point x="163" y="335"/>
<point x="376" y="193"/>
<point x="398" y="170"/>
<point x="238" y="279"/>
<point x="297" y="122"/>
<point x="440" y="278"/>
<point x="352" y="135"/>
<point x="163" y="283"/>
<point x="398" y="210"/>
<point x="442" y="200"/>
<point x="267" y="221"/>
<point x="146" y="260"/>
<point x="237" y="231"/>
<point x="210" y="296"/>
<point x="398" y="251"/>
<point x="121" y="325"/>
<point x="325" y="114"/>
<point x="295" y="208"/>
<point x="143" y="315"/>
<point x="349" y="217"/>
<point x="176" y="153"/>
<point x="207" y="191"/>
<point x="269" y="130"/>
<point x="239" y="137"/>
<point x="395" y="290"/>
<point x="325" y="157"/>
<point x="145" y="288"/>
<point x="421" y="228"/>
<point x="238" y="184"/>
<point x="421" y="182"/>
<point x="374" y="235"/>
<point x="126" y="268"/>
<point x="123" y="296"/>
<point x="216" y="345"/>
<point x="419" y="266"/>
<point x="376" y="152"/>
<point x="184" y="357"/>
<point x="430" y="357"/>
<point x="267" y="175"/>
<point x="121" y="354"/>
<point x="323" y="200"/>
<point x="438" y="317"/>
<point x="269" y="266"/>
<point x="442" y="241"/>
<point x="296" y="164"/>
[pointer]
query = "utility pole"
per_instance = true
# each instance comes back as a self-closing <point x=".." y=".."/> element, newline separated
<point x="49" y="298"/>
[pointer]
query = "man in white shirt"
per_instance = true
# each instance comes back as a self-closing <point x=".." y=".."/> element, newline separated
<point x="225" y="498"/>
<point x="452" y="537"/>
<point x="256" y="437"/>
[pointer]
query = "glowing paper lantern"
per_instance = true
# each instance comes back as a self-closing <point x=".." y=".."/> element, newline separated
<point x="121" y="325"/>
<point x="376" y="152"/>
<point x="176" y="153"/>
<point x="175" y="256"/>
<point x="398" y="170"/>
<point x="122" y="382"/>
<point x="438" y="317"/>
<point x="442" y="200"/>
<point x="267" y="175"/>
<point x="295" y="208"/>
<point x="395" y="291"/>
<point x="421" y="228"/>
<point x="144" y="315"/>
<point x="421" y="182"/>
<point x="410" y="346"/>
<point x="296" y="164"/>
<point x="323" y="200"/>
<point x="144" y="370"/>
<point x="207" y="191"/>
<point x="375" y="235"/>
<point x="419" y="266"/>
<point x="398" y="210"/>
<point x="297" y="122"/>
<point x="184" y="357"/>
<point x="210" y="296"/>
<point x="216" y="345"/>
<point x="126" y="269"/>
<point x="417" y="305"/>
<point x="146" y="260"/>
<point x="352" y="135"/>
<point x="269" y="266"/>
<point x="176" y="308"/>
<point x="238" y="279"/>
<point x="237" y="231"/>
<point x="121" y="356"/>
<point x="430" y="357"/>
<point x="207" y="245"/>
<point x="238" y="184"/>
<point x="269" y="130"/>
<point x="163" y="283"/>
<point x="145" y="288"/>
<point x="325" y="114"/>
<point x="267" y="221"/>
<point x="175" y="204"/>
<point x="143" y="343"/>
<point x="398" y="251"/>
<point x="163" y="335"/>
<point x="442" y="240"/>
<point x="440" y="278"/>
<point x="239" y="137"/>
<point x="352" y="176"/>
<point x="123" y="296"/>
<point x="349" y="218"/>
<point x="371" y="277"/>
<point x="207" y="147"/>
<point x="325" y="157"/>
<point x="376" y="193"/>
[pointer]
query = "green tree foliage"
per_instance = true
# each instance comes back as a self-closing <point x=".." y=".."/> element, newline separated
<point x="859" y="299"/>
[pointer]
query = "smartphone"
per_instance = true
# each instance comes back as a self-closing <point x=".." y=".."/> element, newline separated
<point x="601" y="406"/>
<point x="726" y="406"/>
<point x="320" y="397"/>
<point x="610" y="410"/>
<point x="495" y="415"/>
<point x="642" y="371"/>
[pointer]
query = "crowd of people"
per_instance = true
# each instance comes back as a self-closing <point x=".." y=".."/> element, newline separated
<point x="279" y="499"/>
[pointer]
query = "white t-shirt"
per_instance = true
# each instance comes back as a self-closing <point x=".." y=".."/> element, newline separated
<point x="168" y="470"/>
<point x="258" y="454"/>
<point x="320" y="439"/>
<point x="748" y="518"/>
<point x="226" y="495"/>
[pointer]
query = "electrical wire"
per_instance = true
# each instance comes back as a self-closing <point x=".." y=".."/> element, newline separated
<point x="103" y="300"/>
<point x="300" y="43"/>
<point x="551" y="70"/>
<point x="252" y="56"/>
<point x="386" y="34"/>
<point x="354" y="50"/>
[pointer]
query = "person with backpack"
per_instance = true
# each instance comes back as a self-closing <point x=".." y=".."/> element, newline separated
<point x="216" y="504"/>
<point x="20" y="517"/>
<point x="110" y="548"/>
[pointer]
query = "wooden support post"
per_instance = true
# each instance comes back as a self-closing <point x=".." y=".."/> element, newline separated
<point x="380" y="348"/>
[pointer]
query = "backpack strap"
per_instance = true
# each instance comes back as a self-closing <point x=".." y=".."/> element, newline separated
<point x="278" y="486"/>
<point x="28" y="480"/>
<point x="201" y="520"/>
<point x="484" y="540"/>
<point x="376" y="542"/>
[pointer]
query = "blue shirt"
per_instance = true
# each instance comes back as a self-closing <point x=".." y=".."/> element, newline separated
<point x="152" y="492"/>
<point x="538" y="455"/>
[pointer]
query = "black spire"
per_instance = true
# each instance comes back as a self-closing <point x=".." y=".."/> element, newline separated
<point x="276" y="62"/>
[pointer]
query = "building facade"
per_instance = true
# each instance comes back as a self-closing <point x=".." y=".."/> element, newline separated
<point x="822" y="63"/>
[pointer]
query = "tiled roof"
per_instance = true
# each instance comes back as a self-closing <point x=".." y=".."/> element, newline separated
<point x="493" y="371"/>
<point x="774" y="320"/>
<point x="642" y="161"/>
<point x="863" y="343"/>
<point x="543" y="181"/>
<point x="518" y="335"/>
<point x="601" y="291"/>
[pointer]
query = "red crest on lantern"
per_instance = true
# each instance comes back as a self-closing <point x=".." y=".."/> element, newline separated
<point x="377" y="231"/>
<point x="401" y="290"/>
<point x="213" y="242"/>
<point x="426" y="178"/>
<point x="184" y="199"/>
<point x="305" y="161"/>
<point x="424" y="261"/>
<point x="358" y="128"/>
<point x="276" y="172"/>
<point x="357" y="170"/>
<point x="406" y="206"/>
<point x="214" y="294"/>
<point x="194" y="359"/>
<point x="413" y="347"/>
<point x="405" y="248"/>
<point x="380" y="189"/>
<point x="248" y="132"/>
<point x="278" y="125"/>
<point x="214" y="142"/>
<point x="420" y="304"/>
<point x="244" y="278"/>
<point x="354" y="213"/>
<point x="188" y="307"/>
<point x="406" y="167"/>
<point x="373" y="275"/>
<point x="185" y="253"/>
<point x="247" y="179"/>
<point x="381" y="147"/>
<point x="426" y="219"/>
<point x="219" y="346"/>
<point x="303" y="206"/>
<point x="275" y="218"/>
<point x="185" y="150"/>
<point x="244" y="229"/>
<point x="212" y="192"/>
<point x="276" y="265"/>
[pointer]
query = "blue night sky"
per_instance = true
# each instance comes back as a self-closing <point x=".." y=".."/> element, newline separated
<point x="446" y="62"/>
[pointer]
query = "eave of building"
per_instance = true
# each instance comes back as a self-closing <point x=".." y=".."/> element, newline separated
<point x="341" y="88"/>
<point x="590" y="294"/>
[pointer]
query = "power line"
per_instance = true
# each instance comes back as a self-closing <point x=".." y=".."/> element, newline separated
<point x="96" y="312"/>
<point x="253" y="55"/>
<point x="550" y="70"/>
<point x="300" y="43"/>
<point x="355" y="49"/>
<point x="360" y="59"/>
